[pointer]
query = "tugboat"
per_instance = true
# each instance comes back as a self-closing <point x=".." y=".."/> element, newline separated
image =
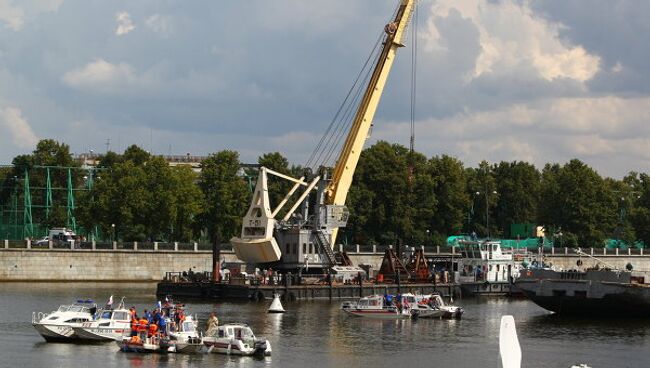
<point x="110" y="325"/>
<point x="58" y="326"/>
<point x="236" y="339"/>
<point x="376" y="306"/>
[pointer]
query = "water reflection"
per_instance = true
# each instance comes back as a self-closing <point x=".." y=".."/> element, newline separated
<point x="318" y="334"/>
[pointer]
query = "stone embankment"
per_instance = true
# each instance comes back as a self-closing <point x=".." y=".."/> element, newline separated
<point x="133" y="262"/>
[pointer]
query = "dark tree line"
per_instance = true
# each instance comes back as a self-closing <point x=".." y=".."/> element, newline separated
<point x="396" y="196"/>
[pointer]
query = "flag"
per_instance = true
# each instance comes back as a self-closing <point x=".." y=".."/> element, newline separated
<point x="110" y="301"/>
<point x="159" y="304"/>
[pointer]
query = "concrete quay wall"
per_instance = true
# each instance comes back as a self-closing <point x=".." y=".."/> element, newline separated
<point x="79" y="265"/>
<point x="147" y="265"/>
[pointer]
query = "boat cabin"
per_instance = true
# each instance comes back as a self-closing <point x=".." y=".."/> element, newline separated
<point x="235" y="331"/>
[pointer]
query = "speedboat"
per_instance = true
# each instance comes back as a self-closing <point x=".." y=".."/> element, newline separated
<point x="144" y="343"/>
<point x="186" y="338"/>
<point x="236" y="339"/>
<point x="376" y="306"/>
<point x="110" y="325"/>
<point x="431" y="306"/>
<point x="59" y="325"/>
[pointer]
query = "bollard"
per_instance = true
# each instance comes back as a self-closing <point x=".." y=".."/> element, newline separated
<point x="374" y="248"/>
<point x="552" y="250"/>
<point x="50" y="244"/>
<point x="155" y="245"/>
<point x="114" y="245"/>
<point x="566" y="250"/>
<point x="390" y="246"/>
<point x="629" y="251"/>
<point x="616" y="251"/>
<point x="641" y="251"/>
<point x="437" y="249"/>
<point x="604" y="251"/>
<point x="196" y="247"/>
<point x="94" y="245"/>
<point x="357" y="248"/>
<point x="592" y="251"/>
<point x="135" y="245"/>
<point x="341" y="248"/>
<point x="29" y="244"/>
<point x="6" y="243"/>
<point x="72" y="245"/>
<point x="453" y="250"/>
<point x="175" y="246"/>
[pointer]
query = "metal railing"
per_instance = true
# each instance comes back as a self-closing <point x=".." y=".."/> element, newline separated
<point x="350" y="249"/>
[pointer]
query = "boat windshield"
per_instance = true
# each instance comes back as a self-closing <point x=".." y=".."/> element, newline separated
<point x="106" y="315"/>
<point x="121" y="316"/>
<point x="63" y="308"/>
<point x="247" y="333"/>
<point x="77" y="308"/>
<point x="187" y="326"/>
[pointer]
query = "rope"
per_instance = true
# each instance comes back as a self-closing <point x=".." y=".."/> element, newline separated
<point x="331" y="140"/>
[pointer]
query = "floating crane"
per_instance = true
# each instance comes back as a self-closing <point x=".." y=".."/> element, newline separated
<point x="305" y="235"/>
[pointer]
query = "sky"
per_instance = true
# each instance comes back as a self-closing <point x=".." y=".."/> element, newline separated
<point x="497" y="80"/>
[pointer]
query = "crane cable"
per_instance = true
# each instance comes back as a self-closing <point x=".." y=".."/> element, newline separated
<point x="343" y="119"/>
<point x="414" y="58"/>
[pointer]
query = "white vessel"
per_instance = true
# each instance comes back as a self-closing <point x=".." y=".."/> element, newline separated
<point x="486" y="268"/>
<point x="431" y="306"/>
<point x="58" y="325"/>
<point x="376" y="306"/>
<point x="110" y="325"/>
<point x="186" y="338"/>
<point x="236" y="339"/>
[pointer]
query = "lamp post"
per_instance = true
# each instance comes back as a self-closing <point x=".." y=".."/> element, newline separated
<point x="487" y="210"/>
<point x="427" y="239"/>
<point x="112" y="233"/>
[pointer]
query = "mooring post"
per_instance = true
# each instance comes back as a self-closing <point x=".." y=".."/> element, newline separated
<point x="357" y="248"/>
<point x="50" y="244"/>
<point x="94" y="245"/>
<point x="155" y="246"/>
<point x="114" y="245"/>
<point x="135" y="245"/>
<point x="196" y="246"/>
<point x="29" y="243"/>
<point x="374" y="248"/>
<point x="7" y="244"/>
<point x="175" y="246"/>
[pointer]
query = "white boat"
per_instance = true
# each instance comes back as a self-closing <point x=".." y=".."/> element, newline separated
<point x="58" y="325"/>
<point x="376" y="306"/>
<point x="187" y="339"/>
<point x="110" y="325"/>
<point x="487" y="269"/>
<point x="236" y="339"/>
<point x="142" y="343"/>
<point x="431" y="306"/>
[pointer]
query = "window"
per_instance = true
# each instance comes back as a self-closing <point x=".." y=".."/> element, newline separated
<point x="311" y="248"/>
<point x="106" y="315"/>
<point x="295" y="248"/>
<point x="121" y="316"/>
<point x="304" y="248"/>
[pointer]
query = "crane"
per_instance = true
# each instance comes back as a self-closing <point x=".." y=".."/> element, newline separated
<point x="305" y="234"/>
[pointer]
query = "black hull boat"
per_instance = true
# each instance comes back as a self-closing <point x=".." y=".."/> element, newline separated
<point x="604" y="292"/>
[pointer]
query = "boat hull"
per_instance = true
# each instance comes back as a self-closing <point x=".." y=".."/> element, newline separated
<point x="55" y="333"/>
<point x="100" y="334"/>
<point x="376" y="314"/>
<point x="224" y="347"/>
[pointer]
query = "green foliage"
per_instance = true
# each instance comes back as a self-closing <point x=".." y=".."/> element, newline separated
<point x="225" y="196"/>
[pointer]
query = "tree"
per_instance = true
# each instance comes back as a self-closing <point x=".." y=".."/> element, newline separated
<point x="576" y="198"/>
<point x="482" y="189"/>
<point x="518" y="185"/>
<point x="226" y="196"/>
<point x="453" y="201"/>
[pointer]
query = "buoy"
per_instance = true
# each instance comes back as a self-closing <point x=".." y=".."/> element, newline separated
<point x="276" y="306"/>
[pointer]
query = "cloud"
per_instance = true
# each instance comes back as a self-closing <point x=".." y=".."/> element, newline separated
<point x="15" y="13"/>
<point x="124" y="23"/>
<point x="512" y="38"/>
<point x="610" y="131"/>
<point x="102" y="76"/>
<point x="21" y="132"/>
<point x="161" y="24"/>
<point x="12" y="15"/>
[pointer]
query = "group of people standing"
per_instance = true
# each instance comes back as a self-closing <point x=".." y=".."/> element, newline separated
<point x="156" y="322"/>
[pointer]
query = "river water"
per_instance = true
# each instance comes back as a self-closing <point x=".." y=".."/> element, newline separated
<point x="316" y="334"/>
